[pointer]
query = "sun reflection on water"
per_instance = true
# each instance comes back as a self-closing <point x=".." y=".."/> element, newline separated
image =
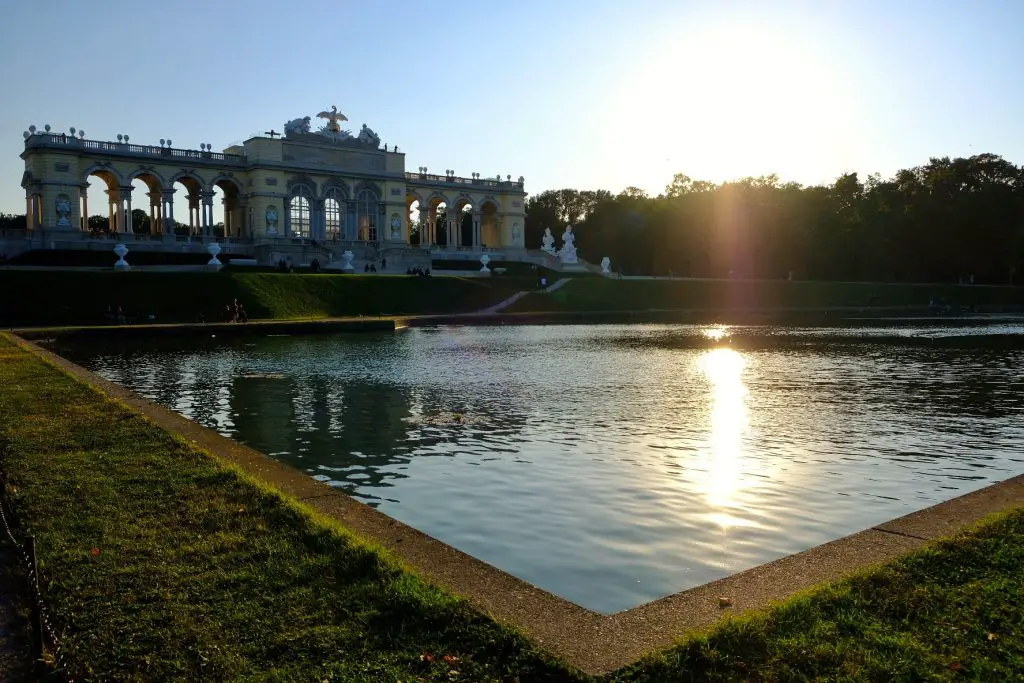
<point x="723" y="370"/>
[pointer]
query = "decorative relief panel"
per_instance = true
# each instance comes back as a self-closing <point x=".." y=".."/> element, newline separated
<point x="333" y="158"/>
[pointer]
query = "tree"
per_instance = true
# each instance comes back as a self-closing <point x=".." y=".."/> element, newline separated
<point x="140" y="222"/>
<point x="10" y="221"/>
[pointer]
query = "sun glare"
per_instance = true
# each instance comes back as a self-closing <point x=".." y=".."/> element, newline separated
<point x="728" y="102"/>
<point x="723" y="369"/>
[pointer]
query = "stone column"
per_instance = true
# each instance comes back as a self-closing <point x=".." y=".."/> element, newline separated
<point x="126" y="209"/>
<point x="113" y="215"/>
<point x="207" y="212"/>
<point x="227" y="216"/>
<point x="30" y="214"/>
<point x="477" y="235"/>
<point x="317" y="219"/>
<point x="85" y="208"/>
<point x="168" y="212"/>
<point x="155" y="224"/>
<point x="193" y="213"/>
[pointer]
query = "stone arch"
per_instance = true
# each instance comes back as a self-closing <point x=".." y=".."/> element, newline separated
<point x="339" y="186"/>
<point x="104" y="171"/>
<point x="368" y="204"/>
<point x="367" y="185"/>
<point x="334" y="194"/>
<point x="490" y="223"/>
<point x="108" y="197"/>
<point x="147" y="171"/>
<point x="146" y="200"/>
<point x="225" y="179"/>
<point x="416" y="217"/>
<point x="300" y="210"/>
<point x="437" y="231"/>
<point x="187" y="178"/>
<point x="231" y="194"/>
<point x="463" y="215"/>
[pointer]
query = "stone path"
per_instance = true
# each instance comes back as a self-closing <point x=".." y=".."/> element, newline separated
<point x="519" y="295"/>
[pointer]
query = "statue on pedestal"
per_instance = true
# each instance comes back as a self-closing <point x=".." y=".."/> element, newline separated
<point x="568" y="251"/>
<point x="549" y="242"/>
<point x="63" y="209"/>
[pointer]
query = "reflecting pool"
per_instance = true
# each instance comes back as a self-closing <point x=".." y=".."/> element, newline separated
<point x="612" y="465"/>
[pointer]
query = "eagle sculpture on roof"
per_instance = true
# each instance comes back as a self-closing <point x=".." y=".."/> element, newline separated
<point x="333" y="117"/>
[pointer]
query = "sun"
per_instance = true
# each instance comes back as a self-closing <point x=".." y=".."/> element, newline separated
<point x="732" y="101"/>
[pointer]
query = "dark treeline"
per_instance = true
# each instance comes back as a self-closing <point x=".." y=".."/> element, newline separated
<point x="948" y="219"/>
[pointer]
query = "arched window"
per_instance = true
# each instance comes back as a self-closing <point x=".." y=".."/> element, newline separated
<point x="332" y="215"/>
<point x="366" y="206"/>
<point x="299" y="213"/>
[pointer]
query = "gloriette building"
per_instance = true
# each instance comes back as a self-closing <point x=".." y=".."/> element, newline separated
<point x="304" y="193"/>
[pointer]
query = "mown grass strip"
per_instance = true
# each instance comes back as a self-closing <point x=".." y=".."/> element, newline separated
<point x="163" y="564"/>
<point x="602" y="294"/>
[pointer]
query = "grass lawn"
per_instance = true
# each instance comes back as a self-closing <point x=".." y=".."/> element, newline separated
<point x="602" y="294"/>
<point x="81" y="298"/>
<point x="160" y="563"/>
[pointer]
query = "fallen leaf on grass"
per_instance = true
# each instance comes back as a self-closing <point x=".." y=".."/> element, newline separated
<point x="450" y="659"/>
<point x="95" y="552"/>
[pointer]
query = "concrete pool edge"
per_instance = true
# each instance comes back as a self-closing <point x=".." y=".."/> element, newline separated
<point x="828" y="317"/>
<point x="589" y="641"/>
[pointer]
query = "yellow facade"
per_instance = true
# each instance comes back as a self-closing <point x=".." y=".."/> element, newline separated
<point x="319" y="186"/>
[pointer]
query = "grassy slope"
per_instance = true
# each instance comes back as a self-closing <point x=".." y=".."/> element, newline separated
<point x="202" y="574"/>
<point x="600" y="294"/>
<point x="64" y="298"/>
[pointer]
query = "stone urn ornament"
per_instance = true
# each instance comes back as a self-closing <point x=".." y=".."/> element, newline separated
<point x="606" y="265"/>
<point x="213" y="249"/>
<point x="63" y="209"/>
<point x="120" y="250"/>
<point x="484" y="260"/>
<point x="347" y="257"/>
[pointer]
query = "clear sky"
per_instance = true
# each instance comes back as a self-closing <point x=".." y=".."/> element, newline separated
<point x="568" y="93"/>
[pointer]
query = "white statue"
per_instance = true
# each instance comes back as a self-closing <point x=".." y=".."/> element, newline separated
<point x="568" y="251"/>
<point x="549" y="242"/>
<point x="484" y="260"/>
<point x="606" y="265"/>
<point x="368" y="137"/>
<point x="297" y="126"/>
<point x="396" y="227"/>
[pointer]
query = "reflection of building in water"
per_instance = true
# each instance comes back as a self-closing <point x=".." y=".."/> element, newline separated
<point x="262" y="409"/>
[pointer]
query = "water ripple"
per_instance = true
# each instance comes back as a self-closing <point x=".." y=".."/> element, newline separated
<point x="614" y="464"/>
